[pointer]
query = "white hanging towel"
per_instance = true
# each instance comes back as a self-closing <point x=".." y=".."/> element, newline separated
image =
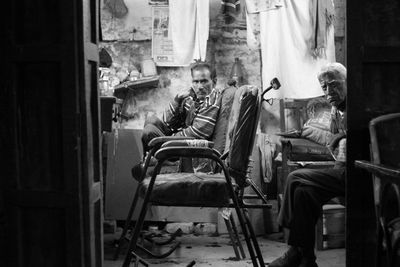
<point x="253" y="9"/>
<point x="189" y="29"/>
<point x="284" y="36"/>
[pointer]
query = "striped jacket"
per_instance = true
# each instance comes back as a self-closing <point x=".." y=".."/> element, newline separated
<point x="187" y="117"/>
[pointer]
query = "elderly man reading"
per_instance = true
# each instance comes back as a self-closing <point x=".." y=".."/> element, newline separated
<point x="308" y="189"/>
<point x="192" y="113"/>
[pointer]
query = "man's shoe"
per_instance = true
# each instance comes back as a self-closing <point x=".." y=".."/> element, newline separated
<point x="291" y="258"/>
<point x="137" y="172"/>
<point x="308" y="259"/>
<point x="308" y="262"/>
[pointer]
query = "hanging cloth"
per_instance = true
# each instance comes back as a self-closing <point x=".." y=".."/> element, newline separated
<point x="285" y="33"/>
<point x="253" y="9"/>
<point x="267" y="150"/>
<point x="256" y="6"/>
<point x="189" y="29"/>
<point x="322" y="15"/>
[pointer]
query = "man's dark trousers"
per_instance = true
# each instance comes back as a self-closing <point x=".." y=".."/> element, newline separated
<point x="305" y="193"/>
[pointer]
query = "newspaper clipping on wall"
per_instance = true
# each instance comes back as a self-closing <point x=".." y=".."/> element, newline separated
<point x="162" y="48"/>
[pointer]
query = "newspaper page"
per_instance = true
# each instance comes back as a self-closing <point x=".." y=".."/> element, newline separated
<point x="162" y="48"/>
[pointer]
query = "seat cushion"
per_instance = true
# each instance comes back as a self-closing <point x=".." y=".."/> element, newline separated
<point x="301" y="149"/>
<point x="317" y="129"/>
<point x="186" y="189"/>
<point x="221" y="126"/>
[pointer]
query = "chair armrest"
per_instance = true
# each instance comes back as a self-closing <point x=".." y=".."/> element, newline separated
<point x="162" y="139"/>
<point x="189" y="143"/>
<point x="156" y="143"/>
<point x="186" y="151"/>
<point x="380" y="170"/>
<point x="225" y="155"/>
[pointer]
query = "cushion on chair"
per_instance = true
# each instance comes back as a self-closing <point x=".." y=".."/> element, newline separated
<point x="220" y="130"/>
<point x="221" y="126"/>
<point x="317" y="129"/>
<point x="197" y="189"/>
<point x="243" y="134"/>
<point x="172" y="167"/>
<point x="233" y="116"/>
<point x="305" y="150"/>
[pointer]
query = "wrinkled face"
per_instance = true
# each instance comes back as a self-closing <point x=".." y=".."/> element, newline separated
<point x="334" y="87"/>
<point x="201" y="82"/>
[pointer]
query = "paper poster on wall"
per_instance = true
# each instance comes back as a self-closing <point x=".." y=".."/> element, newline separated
<point x="162" y="48"/>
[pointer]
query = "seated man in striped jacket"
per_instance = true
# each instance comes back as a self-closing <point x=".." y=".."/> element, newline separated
<point x="192" y="113"/>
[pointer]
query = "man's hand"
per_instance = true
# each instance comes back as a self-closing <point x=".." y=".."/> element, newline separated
<point x="333" y="143"/>
<point x="186" y="93"/>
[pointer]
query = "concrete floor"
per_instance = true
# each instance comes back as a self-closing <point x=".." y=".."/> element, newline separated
<point x="216" y="251"/>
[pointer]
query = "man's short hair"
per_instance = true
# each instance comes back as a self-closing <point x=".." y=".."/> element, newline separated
<point x="334" y="68"/>
<point x="204" y="65"/>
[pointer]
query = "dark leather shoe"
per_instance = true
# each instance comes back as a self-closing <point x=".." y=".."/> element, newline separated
<point x="291" y="258"/>
<point x="308" y="262"/>
<point x="308" y="258"/>
<point x="137" y="172"/>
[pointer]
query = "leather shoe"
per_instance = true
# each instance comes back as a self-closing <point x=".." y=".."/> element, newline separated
<point x="290" y="258"/>
<point x="137" y="172"/>
<point x="308" y="258"/>
<point x="308" y="262"/>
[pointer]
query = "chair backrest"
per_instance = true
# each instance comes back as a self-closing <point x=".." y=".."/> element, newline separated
<point x="218" y="137"/>
<point x="385" y="142"/>
<point x="385" y="147"/>
<point x="221" y="125"/>
<point x="243" y="133"/>
<point x="295" y="112"/>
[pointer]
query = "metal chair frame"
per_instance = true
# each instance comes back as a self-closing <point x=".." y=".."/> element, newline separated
<point x="162" y="151"/>
<point x="387" y="177"/>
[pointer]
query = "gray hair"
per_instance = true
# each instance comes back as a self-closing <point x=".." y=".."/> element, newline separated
<point x="333" y="68"/>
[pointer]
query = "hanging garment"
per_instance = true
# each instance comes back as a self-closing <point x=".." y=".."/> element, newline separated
<point x="253" y="9"/>
<point x="253" y="30"/>
<point x="267" y="151"/>
<point x="322" y="15"/>
<point x="256" y="6"/>
<point x="189" y="29"/>
<point x="284" y="36"/>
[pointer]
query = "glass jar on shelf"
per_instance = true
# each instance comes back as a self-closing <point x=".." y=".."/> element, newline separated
<point x="104" y="85"/>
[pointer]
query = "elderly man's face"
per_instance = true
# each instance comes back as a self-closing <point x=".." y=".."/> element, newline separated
<point x="201" y="82"/>
<point x="334" y="88"/>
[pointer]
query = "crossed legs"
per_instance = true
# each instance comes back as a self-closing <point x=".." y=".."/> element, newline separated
<point x="305" y="192"/>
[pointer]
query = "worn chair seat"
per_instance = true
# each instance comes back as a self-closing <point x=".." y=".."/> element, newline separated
<point x="192" y="189"/>
<point x="301" y="149"/>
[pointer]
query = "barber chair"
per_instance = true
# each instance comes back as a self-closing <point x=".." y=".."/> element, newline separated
<point x="385" y="169"/>
<point x="216" y="189"/>
<point x="185" y="165"/>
